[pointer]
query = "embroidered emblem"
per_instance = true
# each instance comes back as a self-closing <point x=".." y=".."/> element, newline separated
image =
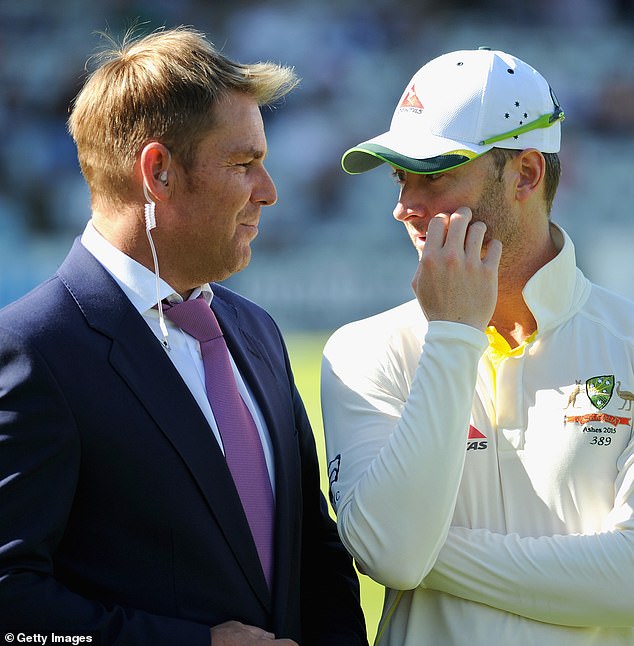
<point x="599" y="390"/>
<point x="572" y="398"/>
<point x="626" y="396"/>
<point x="613" y="420"/>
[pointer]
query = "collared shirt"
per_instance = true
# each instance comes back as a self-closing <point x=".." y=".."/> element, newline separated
<point x="139" y="284"/>
<point x="491" y="492"/>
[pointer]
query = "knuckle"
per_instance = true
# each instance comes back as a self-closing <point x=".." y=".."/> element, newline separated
<point x="453" y="257"/>
<point x="427" y="262"/>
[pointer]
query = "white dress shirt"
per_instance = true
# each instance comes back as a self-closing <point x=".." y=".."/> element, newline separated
<point x="139" y="285"/>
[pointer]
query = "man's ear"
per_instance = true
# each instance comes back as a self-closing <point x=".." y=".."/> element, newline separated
<point x="531" y="168"/>
<point x="154" y="164"/>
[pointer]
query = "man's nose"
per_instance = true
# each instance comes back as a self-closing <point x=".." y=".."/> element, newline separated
<point x="266" y="193"/>
<point x="400" y="212"/>
<point x="411" y="204"/>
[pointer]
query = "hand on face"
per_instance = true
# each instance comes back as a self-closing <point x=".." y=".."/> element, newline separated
<point x="457" y="275"/>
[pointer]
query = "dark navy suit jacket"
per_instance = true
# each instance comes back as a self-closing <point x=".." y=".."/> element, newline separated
<point x="118" y="515"/>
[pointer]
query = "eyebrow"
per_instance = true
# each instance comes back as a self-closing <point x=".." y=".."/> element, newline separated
<point x="255" y="153"/>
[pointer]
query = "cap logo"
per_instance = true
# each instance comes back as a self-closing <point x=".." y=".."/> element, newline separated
<point x="411" y="100"/>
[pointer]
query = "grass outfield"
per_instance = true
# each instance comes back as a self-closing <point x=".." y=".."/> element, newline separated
<point x="305" y="352"/>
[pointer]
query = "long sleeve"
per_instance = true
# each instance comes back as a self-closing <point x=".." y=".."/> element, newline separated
<point x="334" y="617"/>
<point x="573" y="580"/>
<point x="39" y="467"/>
<point x="396" y="424"/>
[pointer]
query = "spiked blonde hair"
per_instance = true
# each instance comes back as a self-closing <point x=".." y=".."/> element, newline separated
<point x="162" y="87"/>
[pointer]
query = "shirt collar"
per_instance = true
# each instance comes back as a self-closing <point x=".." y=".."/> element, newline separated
<point x="557" y="290"/>
<point x="137" y="282"/>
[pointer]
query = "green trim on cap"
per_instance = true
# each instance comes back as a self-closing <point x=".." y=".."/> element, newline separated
<point x="365" y="157"/>
<point x="545" y="121"/>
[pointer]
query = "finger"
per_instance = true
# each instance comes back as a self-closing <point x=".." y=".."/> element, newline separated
<point x="437" y="231"/>
<point x="457" y="227"/>
<point x="259" y="632"/>
<point x="268" y="636"/>
<point x="493" y="254"/>
<point x="475" y="239"/>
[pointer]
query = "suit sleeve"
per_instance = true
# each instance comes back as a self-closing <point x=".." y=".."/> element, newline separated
<point x="573" y="580"/>
<point x="396" y="450"/>
<point x="40" y="456"/>
<point x="330" y="604"/>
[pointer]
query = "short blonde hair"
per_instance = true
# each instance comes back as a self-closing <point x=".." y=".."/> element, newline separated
<point x="161" y="87"/>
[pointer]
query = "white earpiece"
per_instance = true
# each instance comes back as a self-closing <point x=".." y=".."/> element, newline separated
<point x="150" y="223"/>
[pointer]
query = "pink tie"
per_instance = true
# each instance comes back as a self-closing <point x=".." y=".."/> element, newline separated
<point x="240" y="438"/>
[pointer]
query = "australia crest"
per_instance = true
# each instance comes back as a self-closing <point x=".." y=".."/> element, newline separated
<point x="599" y="390"/>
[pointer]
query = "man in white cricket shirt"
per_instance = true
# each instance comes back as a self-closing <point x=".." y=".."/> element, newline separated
<point x="479" y="437"/>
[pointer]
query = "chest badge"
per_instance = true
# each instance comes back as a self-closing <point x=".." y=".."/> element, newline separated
<point x="599" y="390"/>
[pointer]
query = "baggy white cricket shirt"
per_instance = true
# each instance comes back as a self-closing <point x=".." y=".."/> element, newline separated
<point x="495" y="502"/>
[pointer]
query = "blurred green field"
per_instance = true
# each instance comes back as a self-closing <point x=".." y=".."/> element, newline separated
<point x="305" y="352"/>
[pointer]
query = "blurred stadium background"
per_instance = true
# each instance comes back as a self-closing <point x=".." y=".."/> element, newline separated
<point x="329" y="251"/>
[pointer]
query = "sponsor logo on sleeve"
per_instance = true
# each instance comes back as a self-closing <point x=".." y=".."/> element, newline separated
<point x="476" y="440"/>
<point x="333" y="476"/>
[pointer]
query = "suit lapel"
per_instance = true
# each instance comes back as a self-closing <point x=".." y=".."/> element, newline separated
<point x="138" y="357"/>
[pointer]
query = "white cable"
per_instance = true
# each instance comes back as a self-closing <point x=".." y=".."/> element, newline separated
<point x="150" y="223"/>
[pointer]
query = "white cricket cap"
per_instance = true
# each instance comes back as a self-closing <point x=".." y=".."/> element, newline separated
<point x="459" y="106"/>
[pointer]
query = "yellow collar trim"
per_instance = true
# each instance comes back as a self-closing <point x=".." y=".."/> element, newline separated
<point x="499" y="348"/>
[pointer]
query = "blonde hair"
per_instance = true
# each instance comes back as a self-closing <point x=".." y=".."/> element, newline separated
<point x="160" y="87"/>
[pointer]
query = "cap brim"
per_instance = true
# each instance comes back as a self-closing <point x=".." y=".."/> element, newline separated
<point x="367" y="156"/>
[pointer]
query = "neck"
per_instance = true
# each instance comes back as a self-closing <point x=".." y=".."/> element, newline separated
<point x="128" y="234"/>
<point x="517" y="327"/>
<point x="125" y="231"/>
<point x="512" y="317"/>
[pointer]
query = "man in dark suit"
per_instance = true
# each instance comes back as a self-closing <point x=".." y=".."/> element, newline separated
<point x="121" y="519"/>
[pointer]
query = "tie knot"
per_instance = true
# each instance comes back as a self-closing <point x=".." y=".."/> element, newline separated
<point x="194" y="317"/>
